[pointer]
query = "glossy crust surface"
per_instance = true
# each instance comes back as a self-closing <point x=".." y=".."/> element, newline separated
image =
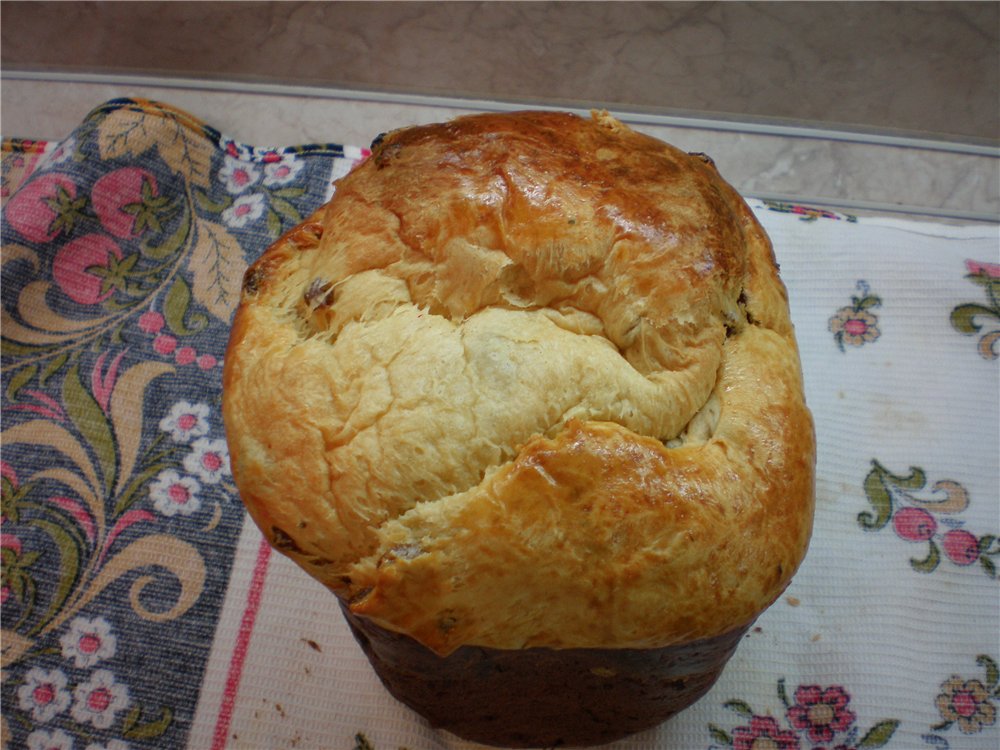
<point x="528" y="380"/>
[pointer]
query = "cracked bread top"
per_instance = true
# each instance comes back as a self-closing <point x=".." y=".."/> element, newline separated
<point x="528" y="379"/>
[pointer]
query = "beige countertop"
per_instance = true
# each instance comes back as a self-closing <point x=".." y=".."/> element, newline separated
<point x="853" y="171"/>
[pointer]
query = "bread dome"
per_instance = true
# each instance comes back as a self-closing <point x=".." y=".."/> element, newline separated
<point x="527" y="381"/>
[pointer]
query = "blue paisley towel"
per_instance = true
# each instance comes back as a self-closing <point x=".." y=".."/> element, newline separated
<point x="124" y="246"/>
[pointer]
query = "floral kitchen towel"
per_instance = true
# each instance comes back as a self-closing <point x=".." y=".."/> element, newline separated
<point x="888" y="635"/>
<point x="140" y="610"/>
<point x="123" y="251"/>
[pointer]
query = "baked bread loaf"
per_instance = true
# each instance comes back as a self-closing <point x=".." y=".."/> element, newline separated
<point x="527" y="385"/>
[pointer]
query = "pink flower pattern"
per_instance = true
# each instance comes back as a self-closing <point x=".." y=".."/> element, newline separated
<point x="186" y="421"/>
<point x="238" y="175"/>
<point x="764" y="732"/>
<point x="816" y="717"/>
<point x="822" y="713"/>
<point x="968" y="705"/>
<point x="856" y="324"/>
<point x="175" y="494"/>
<point x="88" y="641"/>
<point x="44" y="694"/>
<point x="98" y="700"/>
<point x="208" y="460"/>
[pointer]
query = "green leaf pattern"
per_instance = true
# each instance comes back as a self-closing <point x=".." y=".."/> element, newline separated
<point x="981" y="319"/>
<point x="927" y="515"/>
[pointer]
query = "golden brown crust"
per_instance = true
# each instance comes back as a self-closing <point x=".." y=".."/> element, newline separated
<point x="527" y="380"/>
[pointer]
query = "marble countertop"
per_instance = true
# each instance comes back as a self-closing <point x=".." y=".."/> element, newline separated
<point x="856" y="172"/>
